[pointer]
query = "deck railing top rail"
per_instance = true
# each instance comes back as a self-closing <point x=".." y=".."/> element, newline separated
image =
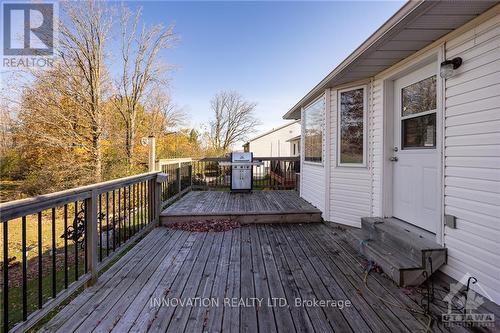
<point x="17" y="208"/>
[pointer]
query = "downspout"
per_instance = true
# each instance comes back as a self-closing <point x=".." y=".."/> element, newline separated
<point x="370" y="144"/>
<point x="442" y="102"/>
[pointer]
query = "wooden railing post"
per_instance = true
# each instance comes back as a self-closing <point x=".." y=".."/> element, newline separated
<point x="91" y="234"/>
<point x="160" y="178"/>
<point x="152" y="153"/>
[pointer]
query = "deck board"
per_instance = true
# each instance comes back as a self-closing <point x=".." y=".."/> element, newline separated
<point x="255" y="207"/>
<point x="262" y="261"/>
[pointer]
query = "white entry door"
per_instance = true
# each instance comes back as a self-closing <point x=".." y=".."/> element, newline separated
<point x="415" y="157"/>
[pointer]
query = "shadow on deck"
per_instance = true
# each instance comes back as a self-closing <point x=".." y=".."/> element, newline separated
<point x="256" y="278"/>
<point x="254" y="207"/>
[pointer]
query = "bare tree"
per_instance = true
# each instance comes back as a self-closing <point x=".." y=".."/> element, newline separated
<point x="84" y="34"/>
<point x="233" y="120"/>
<point x="142" y="69"/>
<point x="164" y="114"/>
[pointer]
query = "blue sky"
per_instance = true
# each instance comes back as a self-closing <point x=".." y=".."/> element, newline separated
<point x="273" y="53"/>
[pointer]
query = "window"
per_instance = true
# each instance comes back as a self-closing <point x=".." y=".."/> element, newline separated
<point x="418" y="114"/>
<point x="352" y="127"/>
<point x="313" y="131"/>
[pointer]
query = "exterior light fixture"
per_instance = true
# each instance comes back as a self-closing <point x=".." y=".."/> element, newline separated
<point x="448" y="67"/>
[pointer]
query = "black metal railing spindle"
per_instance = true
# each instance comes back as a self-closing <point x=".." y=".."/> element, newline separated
<point x="119" y="218"/>
<point x="75" y="239"/>
<point x="5" y="267"/>
<point x="54" y="253"/>
<point x="25" y="266"/>
<point x="65" y="246"/>
<point x="114" y="221"/>
<point x="129" y="213"/>
<point x="134" y="192"/>
<point x="107" y="224"/>
<point x="85" y="239"/>
<point x="99" y="221"/>
<point x="40" y="263"/>
<point x="142" y="204"/>
<point x="125" y="214"/>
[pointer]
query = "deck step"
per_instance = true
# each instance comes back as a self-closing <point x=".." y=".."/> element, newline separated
<point x="245" y="208"/>
<point x="402" y="253"/>
<point x="243" y="218"/>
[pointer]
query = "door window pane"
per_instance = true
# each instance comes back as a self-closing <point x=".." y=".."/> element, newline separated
<point x="419" y="132"/>
<point x="351" y="126"/>
<point x="419" y="97"/>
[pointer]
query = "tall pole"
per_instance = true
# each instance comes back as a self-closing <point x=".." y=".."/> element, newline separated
<point x="152" y="153"/>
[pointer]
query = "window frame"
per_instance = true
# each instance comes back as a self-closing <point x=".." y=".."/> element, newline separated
<point x="365" y="126"/>
<point x="416" y="115"/>
<point x="302" y="152"/>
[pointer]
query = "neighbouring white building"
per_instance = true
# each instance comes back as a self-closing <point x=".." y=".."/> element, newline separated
<point x="408" y="126"/>
<point x="283" y="141"/>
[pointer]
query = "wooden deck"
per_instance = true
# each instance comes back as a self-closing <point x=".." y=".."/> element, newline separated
<point x="227" y="274"/>
<point x="255" y="207"/>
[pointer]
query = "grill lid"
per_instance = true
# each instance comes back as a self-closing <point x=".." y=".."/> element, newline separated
<point x="241" y="157"/>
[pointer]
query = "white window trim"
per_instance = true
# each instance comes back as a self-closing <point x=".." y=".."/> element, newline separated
<point x="303" y="154"/>
<point x="365" y="127"/>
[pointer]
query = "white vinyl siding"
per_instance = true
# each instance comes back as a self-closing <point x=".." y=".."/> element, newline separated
<point x="275" y="143"/>
<point x="312" y="185"/>
<point x="471" y="149"/>
<point x="350" y="187"/>
<point x="472" y="157"/>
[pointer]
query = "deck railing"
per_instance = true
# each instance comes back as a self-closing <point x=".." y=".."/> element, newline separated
<point x="54" y="244"/>
<point x="208" y="173"/>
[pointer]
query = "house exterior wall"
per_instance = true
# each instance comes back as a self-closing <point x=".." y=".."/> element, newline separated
<point x="472" y="157"/>
<point x="275" y="144"/>
<point x="313" y="175"/>
<point x="312" y="185"/>
<point x="470" y="149"/>
<point x="350" y="187"/>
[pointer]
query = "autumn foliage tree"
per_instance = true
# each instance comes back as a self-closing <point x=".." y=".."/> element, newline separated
<point x="82" y="46"/>
<point x="142" y="70"/>
<point x="66" y="128"/>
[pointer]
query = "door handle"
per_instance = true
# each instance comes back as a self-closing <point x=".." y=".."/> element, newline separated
<point x="393" y="159"/>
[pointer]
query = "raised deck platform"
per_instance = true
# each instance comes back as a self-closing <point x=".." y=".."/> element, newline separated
<point x="143" y="290"/>
<point x="255" y="207"/>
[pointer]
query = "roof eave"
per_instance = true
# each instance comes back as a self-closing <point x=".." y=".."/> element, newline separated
<point x="408" y="8"/>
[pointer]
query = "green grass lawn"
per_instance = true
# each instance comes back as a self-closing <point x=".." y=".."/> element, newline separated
<point x="9" y="190"/>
